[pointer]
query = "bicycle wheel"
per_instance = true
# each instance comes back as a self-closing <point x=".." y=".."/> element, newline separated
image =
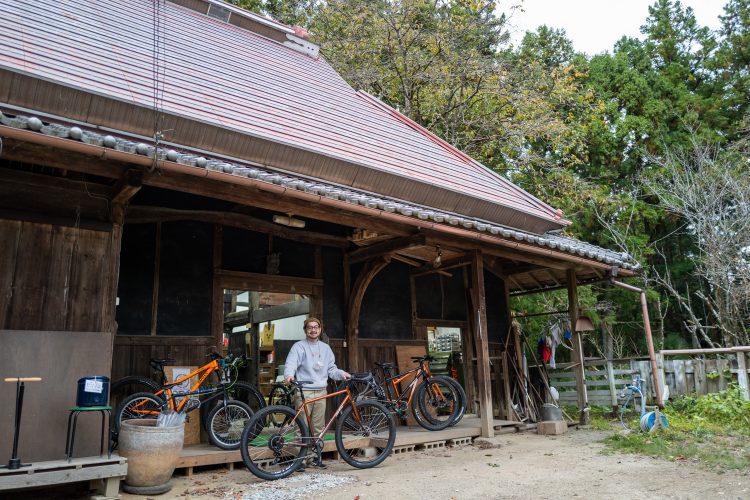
<point x="125" y="386"/>
<point x="248" y="394"/>
<point x="365" y="438"/>
<point x="272" y="451"/>
<point x="281" y="395"/>
<point x="435" y="404"/>
<point x="226" y="423"/>
<point x="461" y="399"/>
<point x="137" y="406"/>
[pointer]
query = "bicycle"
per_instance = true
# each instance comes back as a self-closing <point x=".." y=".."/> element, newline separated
<point x="131" y="384"/>
<point x="224" y="421"/>
<point x="436" y="402"/>
<point x="277" y="439"/>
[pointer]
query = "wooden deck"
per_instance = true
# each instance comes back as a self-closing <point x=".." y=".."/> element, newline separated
<point x="408" y="438"/>
<point x="57" y="472"/>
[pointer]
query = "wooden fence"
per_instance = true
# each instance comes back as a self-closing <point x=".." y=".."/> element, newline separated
<point x="605" y="379"/>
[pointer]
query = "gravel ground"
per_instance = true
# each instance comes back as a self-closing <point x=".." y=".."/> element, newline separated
<point x="508" y="466"/>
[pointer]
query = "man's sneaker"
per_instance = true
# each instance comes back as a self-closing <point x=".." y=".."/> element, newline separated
<point x="318" y="464"/>
<point x="301" y="467"/>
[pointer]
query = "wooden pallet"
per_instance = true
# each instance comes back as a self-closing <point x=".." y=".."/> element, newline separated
<point x="58" y="472"/>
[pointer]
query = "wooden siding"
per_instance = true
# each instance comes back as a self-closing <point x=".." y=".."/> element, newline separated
<point x="53" y="277"/>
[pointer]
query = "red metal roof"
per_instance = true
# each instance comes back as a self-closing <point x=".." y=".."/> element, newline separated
<point x="223" y="75"/>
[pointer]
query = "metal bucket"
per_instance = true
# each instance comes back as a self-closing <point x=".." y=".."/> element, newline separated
<point x="551" y="413"/>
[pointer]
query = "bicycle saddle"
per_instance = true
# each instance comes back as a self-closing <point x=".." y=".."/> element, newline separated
<point x="157" y="363"/>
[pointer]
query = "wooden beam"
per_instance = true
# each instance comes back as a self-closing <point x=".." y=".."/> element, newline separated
<point x="482" y="345"/>
<point x="371" y="269"/>
<point x="148" y="214"/>
<point x="128" y="186"/>
<point x="267" y="283"/>
<point x="577" y="355"/>
<point x="405" y="260"/>
<point x="386" y="247"/>
<point x="428" y="268"/>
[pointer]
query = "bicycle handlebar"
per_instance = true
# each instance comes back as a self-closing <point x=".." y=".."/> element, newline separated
<point x="422" y="359"/>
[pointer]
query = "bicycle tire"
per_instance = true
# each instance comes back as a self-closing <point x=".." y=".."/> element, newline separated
<point x="239" y="391"/>
<point x="125" y="386"/>
<point x="248" y="394"/>
<point x="274" y="452"/>
<point x="435" y="404"/>
<point x="375" y="430"/>
<point x="137" y="406"/>
<point x="280" y="395"/>
<point x="461" y="399"/>
<point x="226" y="423"/>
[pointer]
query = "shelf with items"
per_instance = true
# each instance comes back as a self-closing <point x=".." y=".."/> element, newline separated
<point x="266" y="369"/>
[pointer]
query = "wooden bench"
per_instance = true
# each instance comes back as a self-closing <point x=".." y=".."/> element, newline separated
<point x="58" y="472"/>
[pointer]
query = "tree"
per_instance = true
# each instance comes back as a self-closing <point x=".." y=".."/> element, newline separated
<point x="710" y="193"/>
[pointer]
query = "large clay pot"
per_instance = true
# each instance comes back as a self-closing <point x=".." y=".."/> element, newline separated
<point x="152" y="454"/>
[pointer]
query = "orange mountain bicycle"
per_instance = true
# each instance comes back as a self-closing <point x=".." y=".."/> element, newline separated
<point x="226" y="419"/>
<point x="277" y="439"/>
<point x="436" y="402"/>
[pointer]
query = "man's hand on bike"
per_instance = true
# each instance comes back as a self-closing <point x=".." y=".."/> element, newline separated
<point x="288" y="380"/>
<point x="346" y="375"/>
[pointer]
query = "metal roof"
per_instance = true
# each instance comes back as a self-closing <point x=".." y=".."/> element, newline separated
<point x="231" y="91"/>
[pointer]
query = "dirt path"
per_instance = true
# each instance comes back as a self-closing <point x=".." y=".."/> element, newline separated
<point x="508" y="466"/>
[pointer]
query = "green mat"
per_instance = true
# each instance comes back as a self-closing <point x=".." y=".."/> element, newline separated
<point x="263" y="440"/>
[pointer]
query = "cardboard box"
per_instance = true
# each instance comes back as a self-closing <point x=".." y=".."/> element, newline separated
<point x="193" y="420"/>
<point x="552" y="427"/>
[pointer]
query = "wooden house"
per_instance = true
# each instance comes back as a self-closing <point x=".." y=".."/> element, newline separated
<point x="167" y="166"/>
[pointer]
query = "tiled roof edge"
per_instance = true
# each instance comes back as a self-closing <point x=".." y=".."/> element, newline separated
<point x="330" y="190"/>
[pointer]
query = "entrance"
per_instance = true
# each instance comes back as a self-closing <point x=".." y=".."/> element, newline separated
<point x="444" y="343"/>
<point x="263" y="325"/>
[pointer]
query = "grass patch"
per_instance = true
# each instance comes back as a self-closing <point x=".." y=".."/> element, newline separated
<point x="711" y="430"/>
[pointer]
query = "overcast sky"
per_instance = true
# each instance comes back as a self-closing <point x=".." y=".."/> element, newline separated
<point x="595" y="25"/>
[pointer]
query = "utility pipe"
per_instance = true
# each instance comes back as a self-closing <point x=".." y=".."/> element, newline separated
<point x="170" y="166"/>
<point x="649" y="340"/>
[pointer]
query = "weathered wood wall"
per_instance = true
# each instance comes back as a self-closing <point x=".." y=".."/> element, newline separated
<point x="53" y="277"/>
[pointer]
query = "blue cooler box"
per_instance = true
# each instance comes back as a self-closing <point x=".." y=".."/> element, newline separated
<point x="93" y="391"/>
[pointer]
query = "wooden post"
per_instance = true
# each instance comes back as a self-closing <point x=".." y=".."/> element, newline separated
<point x="742" y="374"/>
<point x="580" y="374"/>
<point x="482" y="346"/>
<point x="609" y="349"/>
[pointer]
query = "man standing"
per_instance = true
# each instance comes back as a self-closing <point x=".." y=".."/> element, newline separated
<point x="312" y="360"/>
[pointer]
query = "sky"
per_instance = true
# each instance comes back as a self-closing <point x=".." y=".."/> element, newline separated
<point x="595" y="25"/>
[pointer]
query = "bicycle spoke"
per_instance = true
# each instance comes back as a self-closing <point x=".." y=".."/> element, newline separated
<point x="274" y="442"/>
<point x="364" y="438"/>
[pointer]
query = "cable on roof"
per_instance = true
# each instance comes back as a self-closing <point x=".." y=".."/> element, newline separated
<point x="159" y="70"/>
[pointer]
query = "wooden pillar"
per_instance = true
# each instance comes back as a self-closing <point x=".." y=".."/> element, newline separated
<point x="217" y="293"/>
<point x="481" y="343"/>
<point x="109" y="323"/>
<point x="354" y="305"/>
<point x="509" y="414"/>
<point x="580" y="374"/>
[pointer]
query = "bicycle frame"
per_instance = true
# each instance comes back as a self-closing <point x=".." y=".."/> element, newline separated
<point x="305" y="402"/>
<point x="167" y="390"/>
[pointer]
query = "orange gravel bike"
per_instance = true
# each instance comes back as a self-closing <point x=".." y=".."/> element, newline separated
<point x="436" y="402"/>
<point x="225" y="420"/>
<point x="277" y="439"/>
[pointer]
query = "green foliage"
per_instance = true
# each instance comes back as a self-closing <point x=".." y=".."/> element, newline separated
<point x="713" y="430"/>
<point x="725" y="409"/>
<point x="584" y="134"/>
